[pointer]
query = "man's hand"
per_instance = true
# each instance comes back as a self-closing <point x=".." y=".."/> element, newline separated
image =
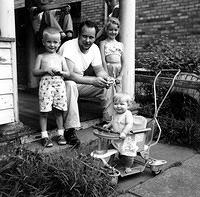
<point x="110" y="82"/>
<point x="100" y="82"/>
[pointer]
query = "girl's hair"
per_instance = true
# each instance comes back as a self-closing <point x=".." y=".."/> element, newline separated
<point x="112" y="20"/>
<point x="122" y="96"/>
<point x="50" y="31"/>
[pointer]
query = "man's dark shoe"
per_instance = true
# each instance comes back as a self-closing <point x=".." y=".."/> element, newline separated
<point x="71" y="137"/>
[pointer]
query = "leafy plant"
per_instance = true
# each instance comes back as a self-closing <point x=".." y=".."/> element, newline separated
<point x="66" y="173"/>
<point x="179" y="115"/>
<point x="165" y="53"/>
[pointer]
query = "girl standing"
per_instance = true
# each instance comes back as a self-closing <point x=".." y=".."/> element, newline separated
<point x="112" y="59"/>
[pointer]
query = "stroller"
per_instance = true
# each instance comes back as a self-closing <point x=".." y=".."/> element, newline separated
<point x="143" y="138"/>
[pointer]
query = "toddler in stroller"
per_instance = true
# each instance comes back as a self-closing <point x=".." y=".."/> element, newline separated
<point x="122" y="123"/>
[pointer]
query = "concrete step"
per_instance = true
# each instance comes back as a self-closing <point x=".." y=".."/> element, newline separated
<point x="85" y="134"/>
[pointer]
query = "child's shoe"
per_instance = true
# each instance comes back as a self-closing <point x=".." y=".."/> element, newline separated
<point x="61" y="140"/>
<point x="46" y="142"/>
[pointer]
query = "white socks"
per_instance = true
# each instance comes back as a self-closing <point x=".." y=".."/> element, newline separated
<point x="44" y="134"/>
<point x="61" y="132"/>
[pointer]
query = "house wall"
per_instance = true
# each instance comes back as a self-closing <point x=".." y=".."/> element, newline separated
<point x="178" y="19"/>
<point x="90" y="9"/>
<point x="6" y="82"/>
<point x="93" y="10"/>
<point x="8" y="74"/>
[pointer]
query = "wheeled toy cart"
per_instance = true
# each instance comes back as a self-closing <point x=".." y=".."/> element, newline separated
<point x="143" y="139"/>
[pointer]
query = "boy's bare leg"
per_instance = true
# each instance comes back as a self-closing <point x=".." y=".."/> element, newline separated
<point x="43" y="125"/>
<point x="59" y="121"/>
<point x="59" y="118"/>
<point x="43" y="122"/>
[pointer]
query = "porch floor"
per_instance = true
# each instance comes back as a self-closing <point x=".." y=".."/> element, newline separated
<point x="29" y="111"/>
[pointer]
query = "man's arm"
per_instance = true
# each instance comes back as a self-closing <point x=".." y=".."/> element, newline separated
<point x="65" y="70"/>
<point x="98" y="81"/>
<point x="100" y="72"/>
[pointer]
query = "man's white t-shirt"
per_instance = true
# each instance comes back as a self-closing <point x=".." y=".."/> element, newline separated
<point x="71" y="51"/>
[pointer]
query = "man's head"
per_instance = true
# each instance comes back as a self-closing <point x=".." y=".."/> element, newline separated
<point x="87" y="34"/>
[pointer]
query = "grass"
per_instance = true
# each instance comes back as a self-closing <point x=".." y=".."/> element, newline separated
<point x="68" y="172"/>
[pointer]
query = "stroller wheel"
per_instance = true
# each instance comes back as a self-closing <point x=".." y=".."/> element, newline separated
<point x="114" y="175"/>
<point x="157" y="172"/>
<point x="114" y="180"/>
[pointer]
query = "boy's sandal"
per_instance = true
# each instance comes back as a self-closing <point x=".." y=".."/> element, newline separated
<point x="46" y="142"/>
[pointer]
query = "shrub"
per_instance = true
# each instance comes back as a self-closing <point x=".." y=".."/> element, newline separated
<point x="165" y="53"/>
<point x="179" y="115"/>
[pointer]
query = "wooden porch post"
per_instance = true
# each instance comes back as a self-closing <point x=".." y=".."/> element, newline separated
<point x="8" y="68"/>
<point x="7" y="19"/>
<point x="127" y="32"/>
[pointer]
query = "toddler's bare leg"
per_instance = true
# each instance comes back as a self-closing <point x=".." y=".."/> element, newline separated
<point x="129" y="164"/>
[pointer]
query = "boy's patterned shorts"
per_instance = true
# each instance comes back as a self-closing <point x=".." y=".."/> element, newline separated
<point x="52" y="93"/>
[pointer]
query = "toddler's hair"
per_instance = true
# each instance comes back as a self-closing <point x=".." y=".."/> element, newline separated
<point x="112" y="20"/>
<point x="122" y="96"/>
<point x="50" y="31"/>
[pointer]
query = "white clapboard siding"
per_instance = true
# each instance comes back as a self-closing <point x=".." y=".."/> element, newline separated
<point x="6" y="116"/>
<point x="5" y="45"/>
<point x="6" y="71"/>
<point x="6" y="86"/>
<point x="5" y="56"/>
<point x="6" y="101"/>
